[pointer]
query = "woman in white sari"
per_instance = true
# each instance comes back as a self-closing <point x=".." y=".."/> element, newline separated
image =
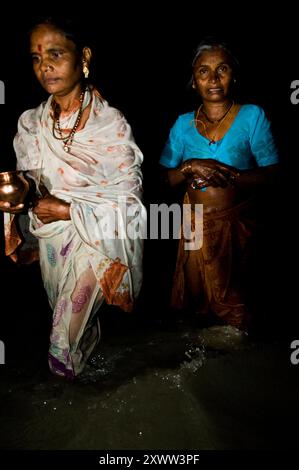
<point x="88" y="218"/>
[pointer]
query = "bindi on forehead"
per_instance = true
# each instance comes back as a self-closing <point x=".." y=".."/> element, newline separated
<point x="39" y="47"/>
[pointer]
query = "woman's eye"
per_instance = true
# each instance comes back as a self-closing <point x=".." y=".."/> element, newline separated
<point x="202" y="71"/>
<point x="223" y="69"/>
<point x="56" y="54"/>
<point x="35" y="59"/>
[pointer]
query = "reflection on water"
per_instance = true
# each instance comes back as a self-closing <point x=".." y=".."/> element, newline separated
<point x="156" y="389"/>
<point x="118" y="361"/>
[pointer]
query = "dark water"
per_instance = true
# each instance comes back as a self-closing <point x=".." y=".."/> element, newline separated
<point x="153" y="383"/>
<point x="157" y="388"/>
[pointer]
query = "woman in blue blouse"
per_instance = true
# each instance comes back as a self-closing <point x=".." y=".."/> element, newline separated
<point x="223" y="152"/>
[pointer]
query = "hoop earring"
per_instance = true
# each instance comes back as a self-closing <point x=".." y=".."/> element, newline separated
<point x="85" y="71"/>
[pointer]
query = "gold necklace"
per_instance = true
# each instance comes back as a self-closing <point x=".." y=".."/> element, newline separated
<point x="220" y="122"/>
<point x="67" y="141"/>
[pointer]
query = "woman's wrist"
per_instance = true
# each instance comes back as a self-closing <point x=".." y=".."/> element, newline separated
<point x="65" y="211"/>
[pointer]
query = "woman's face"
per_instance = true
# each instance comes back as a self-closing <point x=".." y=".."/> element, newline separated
<point x="213" y="75"/>
<point x="55" y="60"/>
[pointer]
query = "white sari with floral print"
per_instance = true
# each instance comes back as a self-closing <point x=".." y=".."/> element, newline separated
<point x="97" y="255"/>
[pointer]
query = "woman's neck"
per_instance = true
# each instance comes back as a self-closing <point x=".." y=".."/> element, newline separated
<point x="215" y="111"/>
<point x="69" y="102"/>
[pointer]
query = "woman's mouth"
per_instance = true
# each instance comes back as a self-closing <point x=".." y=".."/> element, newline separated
<point x="215" y="90"/>
<point x="49" y="81"/>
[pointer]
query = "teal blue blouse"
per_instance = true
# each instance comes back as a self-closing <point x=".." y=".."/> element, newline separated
<point x="247" y="144"/>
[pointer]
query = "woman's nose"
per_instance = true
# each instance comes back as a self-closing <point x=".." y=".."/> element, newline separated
<point x="45" y="66"/>
<point x="214" y="77"/>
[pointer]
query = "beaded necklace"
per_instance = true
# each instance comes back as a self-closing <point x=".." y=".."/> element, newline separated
<point x="67" y="141"/>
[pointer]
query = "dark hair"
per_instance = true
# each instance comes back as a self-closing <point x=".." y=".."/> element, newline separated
<point x="68" y="27"/>
<point x="210" y="43"/>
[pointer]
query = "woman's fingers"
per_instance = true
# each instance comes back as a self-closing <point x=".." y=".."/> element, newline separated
<point x="210" y="178"/>
<point x="225" y="174"/>
<point x="229" y="171"/>
<point x="4" y="205"/>
<point x="213" y="172"/>
<point x="219" y="179"/>
<point x="7" y="207"/>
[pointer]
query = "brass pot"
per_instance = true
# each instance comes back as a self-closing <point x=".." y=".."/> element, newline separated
<point x="14" y="187"/>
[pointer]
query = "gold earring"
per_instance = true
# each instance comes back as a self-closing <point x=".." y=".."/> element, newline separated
<point x="85" y="71"/>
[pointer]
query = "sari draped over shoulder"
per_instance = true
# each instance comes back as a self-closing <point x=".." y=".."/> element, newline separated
<point x="97" y="255"/>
